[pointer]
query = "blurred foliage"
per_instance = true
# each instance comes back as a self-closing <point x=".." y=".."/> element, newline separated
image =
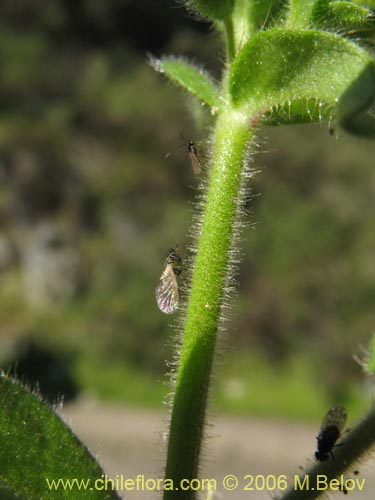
<point x="309" y="263"/>
<point x="85" y="127"/>
<point x="249" y="384"/>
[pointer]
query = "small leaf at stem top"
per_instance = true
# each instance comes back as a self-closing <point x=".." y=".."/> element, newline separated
<point x="278" y="68"/>
<point x="193" y="79"/>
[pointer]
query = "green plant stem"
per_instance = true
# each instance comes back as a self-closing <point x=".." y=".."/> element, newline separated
<point x="231" y="48"/>
<point x="359" y="441"/>
<point x="204" y="309"/>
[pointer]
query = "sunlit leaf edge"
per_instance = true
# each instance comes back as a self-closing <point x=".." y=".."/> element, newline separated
<point x="190" y="77"/>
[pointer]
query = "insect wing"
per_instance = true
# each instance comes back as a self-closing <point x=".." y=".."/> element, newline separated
<point x="166" y="292"/>
<point x="336" y="416"/>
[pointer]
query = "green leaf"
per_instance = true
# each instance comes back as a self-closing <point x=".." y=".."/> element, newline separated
<point x="35" y="445"/>
<point x="367" y="3"/>
<point x="300" y="13"/>
<point x="287" y="69"/>
<point x="264" y="14"/>
<point x="6" y="494"/>
<point x="343" y="17"/>
<point x="213" y="9"/>
<point x="250" y="17"/>
<point x="194" y="80"/>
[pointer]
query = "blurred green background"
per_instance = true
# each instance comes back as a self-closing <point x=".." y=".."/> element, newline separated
<point x="89" y="203"/>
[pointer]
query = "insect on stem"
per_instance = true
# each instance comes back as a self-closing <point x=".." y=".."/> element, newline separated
<point x="330" y="431"/>
<point x="166" y="293"/>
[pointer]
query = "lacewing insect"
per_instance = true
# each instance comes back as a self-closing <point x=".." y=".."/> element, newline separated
<point x="166" y="293"/>
<point x="330" y="431"/>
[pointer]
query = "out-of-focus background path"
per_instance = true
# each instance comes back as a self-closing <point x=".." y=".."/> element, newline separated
<point x="128" y="442"/>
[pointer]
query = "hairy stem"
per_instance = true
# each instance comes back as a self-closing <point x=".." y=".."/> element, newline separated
<point x="206" y="300"/>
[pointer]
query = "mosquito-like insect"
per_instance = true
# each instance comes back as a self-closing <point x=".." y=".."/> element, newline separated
<point x="194" y="158"/>
<point x="193" y="154"/>
<point x="330" y="431"/>
<point x="166" y="293"/>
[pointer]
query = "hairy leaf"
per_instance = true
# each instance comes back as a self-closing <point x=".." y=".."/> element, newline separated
<point x="300" y="12"/>
<point x="264" y="14"/>
<point x="281" y="70"/>
<point x="344" y="17"/>
<point x="193" y="79"/>
<point x="35" y="445"/>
